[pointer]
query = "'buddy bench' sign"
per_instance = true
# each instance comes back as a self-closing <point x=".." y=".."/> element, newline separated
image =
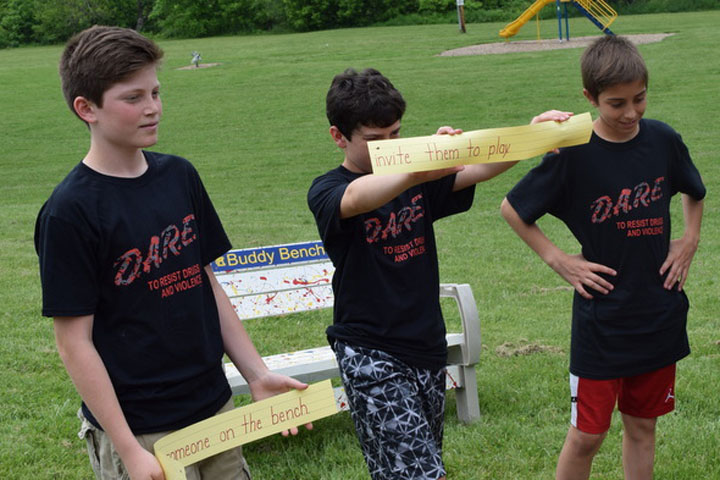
<point x="276" y="280"/>
<point x="269" y="256"/>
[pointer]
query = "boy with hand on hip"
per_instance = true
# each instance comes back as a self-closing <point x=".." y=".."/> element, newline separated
<point x="124" y="243"/>
<point x="629" y="310"/>
<point x="388" y="332"/>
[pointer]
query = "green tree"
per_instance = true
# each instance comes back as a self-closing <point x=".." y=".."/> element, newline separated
<point x="304" y="15"/>
<point x="56" y="21"/>
<point x="357" y="12"/>
<point x="188" y="18"/>
<point x="142" y="13"/>
<point x="320" y="14"/>
<point x="16" y="22"/>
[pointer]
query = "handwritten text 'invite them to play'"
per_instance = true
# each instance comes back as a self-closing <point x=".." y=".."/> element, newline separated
<point x="474" y="152"/>
<point x="492" y="145"/>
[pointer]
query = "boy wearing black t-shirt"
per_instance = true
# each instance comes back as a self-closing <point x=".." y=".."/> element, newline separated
<point x="388" y="332"/>
<point x="629" y="310"/>
<point x="124" y="243"/>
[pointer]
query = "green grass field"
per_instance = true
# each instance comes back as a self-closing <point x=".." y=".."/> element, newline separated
<point x="255" y="128"/>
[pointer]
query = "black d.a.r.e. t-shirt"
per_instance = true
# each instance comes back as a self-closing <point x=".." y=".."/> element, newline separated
<point x="615" y="199"/>
<point x="386" y="281"/>
<point x="131" y="252"/>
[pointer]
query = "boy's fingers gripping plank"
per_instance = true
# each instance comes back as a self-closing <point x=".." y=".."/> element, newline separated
<point x="273" y="384"/>
<point x="144" y="466"/>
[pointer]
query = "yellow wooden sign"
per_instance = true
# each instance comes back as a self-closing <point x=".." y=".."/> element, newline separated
<point x="491" y="145"/>
<point x="242" y="425"/>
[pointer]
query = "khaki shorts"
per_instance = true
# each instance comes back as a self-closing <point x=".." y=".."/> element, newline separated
<point x="106" y="463"/>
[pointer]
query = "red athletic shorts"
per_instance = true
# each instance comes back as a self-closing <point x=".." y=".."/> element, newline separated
<point x="649" y="395"/>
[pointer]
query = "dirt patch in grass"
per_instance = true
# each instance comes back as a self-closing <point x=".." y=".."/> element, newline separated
<point x="538" y="45"/>
<point x="199" y="66"/>
<point x="524" y="347"/>
<point x="535" y="290"/>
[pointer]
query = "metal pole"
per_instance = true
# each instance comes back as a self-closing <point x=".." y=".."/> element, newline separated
<point x="557" y="9"/>
<point x="461" y="14"/>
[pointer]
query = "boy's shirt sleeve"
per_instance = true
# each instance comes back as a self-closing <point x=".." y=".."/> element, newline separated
<point x="443" y="201"/>
<point x="541" y="190"/>
<point x="215" y="241"/>
<point x="68" y="270"/>
<point x="326" y="193"/>
<point x="685" y="177"/>
<point x="324" y="197"/>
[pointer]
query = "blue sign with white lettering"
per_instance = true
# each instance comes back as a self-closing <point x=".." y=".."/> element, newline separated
<point x="267" y="256"/>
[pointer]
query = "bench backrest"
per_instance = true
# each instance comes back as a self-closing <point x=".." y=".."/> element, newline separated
<point x="283" y="279"/>
<point x="276" y="280"/>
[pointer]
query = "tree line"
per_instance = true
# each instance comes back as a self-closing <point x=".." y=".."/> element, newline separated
<point x="41" y="22"/>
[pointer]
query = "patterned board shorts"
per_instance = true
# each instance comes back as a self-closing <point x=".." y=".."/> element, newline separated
<point x="398" y="413"/>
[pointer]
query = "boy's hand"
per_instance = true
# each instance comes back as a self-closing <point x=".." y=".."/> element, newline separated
<point x="430" y="175"/>
<point x="677" y="263"/>
<point x="554" y="115"/>
<point x="446" y="130"/>
<point x="272" y="384"/>
<point x="143" y="466"/>
<point x="580" y="273"/>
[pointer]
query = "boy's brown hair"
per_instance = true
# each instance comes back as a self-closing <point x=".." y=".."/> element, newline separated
<point x="611" y="60"/>
<point x="366" y="98"/>
<point x="99" y="57"/>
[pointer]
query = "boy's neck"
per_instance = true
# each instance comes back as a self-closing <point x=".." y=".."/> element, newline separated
<point x="602" y="131"/>
<point x="116" y="163"/>
<point x="352" y="167"/>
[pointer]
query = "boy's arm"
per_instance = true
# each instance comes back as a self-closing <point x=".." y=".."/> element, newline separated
<point x="369" y="192"/>
<point x="577" y="271"/>
<point x="682" y="250"/>
<point x="480" y="172"/>
<point x="73" y="336"/>
<point x="262" y="382"/>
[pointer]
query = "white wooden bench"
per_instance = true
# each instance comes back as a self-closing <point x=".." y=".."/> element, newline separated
<point x="284" y="279"/>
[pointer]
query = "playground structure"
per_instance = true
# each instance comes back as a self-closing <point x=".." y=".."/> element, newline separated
<point x="597" y="11"/>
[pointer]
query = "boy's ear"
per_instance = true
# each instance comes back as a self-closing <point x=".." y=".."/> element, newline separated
<point x="338" y="137"/>
<point x="85" y="109"/>
<point x="590" y="98"/>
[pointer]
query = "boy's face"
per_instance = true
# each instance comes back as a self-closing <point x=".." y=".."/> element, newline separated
<point x="357" y="157"/>
<point x="131" y="111"/>
<point x="620" y="109"/>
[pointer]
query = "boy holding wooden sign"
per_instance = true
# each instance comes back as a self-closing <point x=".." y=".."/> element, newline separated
<point x="388" y="332"/>
<point x="629" y="312"/>
<point x="125" y="243"/>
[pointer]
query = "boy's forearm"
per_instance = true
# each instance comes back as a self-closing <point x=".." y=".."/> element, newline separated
<point x="532" y="235"/>
<point x="480" y="172"/>
<point x="485" y="171"/>
<point x="369" y="192"/>
<point x="236" y="341"/>
<point x="92" y="382"/>
<point x="692" y="213"/>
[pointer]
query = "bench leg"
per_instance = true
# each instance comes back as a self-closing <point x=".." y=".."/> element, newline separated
<point x="466" y="397"/>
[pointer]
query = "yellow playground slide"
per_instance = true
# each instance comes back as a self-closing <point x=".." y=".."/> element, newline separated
<point x="513" y="27"/>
